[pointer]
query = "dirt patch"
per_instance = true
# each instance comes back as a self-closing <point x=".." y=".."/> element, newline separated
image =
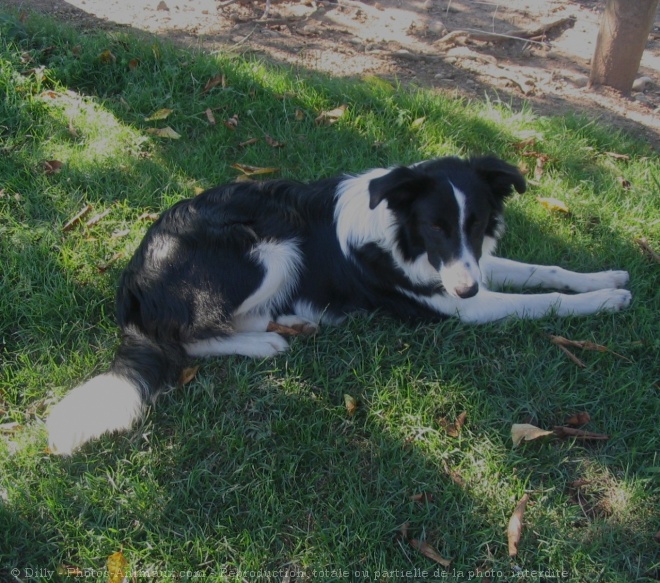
<point x="467" y="47"/>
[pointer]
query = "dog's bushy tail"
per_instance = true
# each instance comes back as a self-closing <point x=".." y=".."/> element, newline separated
<point x="113" y="401"/>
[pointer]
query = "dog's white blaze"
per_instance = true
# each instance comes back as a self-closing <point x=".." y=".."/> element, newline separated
<point x="463" y="272"/>
<point x="103" y="404"/>
<point x="282" y="261"/>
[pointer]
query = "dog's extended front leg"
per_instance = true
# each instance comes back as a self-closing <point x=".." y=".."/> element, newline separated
<point x="489" y="306"/>
<point x="500" y="272"/>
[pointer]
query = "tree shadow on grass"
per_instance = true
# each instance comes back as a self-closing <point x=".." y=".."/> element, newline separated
<point x="257" y="465"/>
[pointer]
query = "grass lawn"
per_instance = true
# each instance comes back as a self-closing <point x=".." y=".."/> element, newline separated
<point x="256" y="468"/>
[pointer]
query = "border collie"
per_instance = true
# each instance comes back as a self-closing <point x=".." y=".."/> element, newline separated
<point x="215" y="270"/>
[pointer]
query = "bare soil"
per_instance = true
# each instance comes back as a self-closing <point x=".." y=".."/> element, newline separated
<point x="466" y="47"/>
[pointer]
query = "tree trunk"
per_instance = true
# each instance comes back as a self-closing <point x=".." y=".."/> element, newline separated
<point x="624" y="30"/>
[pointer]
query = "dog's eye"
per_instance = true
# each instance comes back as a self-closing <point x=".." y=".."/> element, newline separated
<point x="439" y="229"/>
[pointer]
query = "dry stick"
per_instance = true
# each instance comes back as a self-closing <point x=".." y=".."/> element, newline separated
<point x="524" y="35"/>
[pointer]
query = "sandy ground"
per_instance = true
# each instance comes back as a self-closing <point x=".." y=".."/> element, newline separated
<point x="408" y="40"/>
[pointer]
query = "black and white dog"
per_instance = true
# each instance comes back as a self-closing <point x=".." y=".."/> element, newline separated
<point x="213" y="271"/>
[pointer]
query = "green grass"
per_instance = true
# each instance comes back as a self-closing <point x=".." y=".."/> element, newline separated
<point x="256" y="466"/>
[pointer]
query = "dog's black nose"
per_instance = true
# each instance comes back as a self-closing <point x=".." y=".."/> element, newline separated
<point x="467" y="291"/>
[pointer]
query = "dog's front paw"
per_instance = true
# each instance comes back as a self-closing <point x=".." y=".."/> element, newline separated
<point x="611" y="300"/>
<point x="605" y="280"/>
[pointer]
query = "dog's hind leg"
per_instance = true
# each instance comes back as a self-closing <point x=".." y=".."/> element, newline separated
<point x="500" y="272"/>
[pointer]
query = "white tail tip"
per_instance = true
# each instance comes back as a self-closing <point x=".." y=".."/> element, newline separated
<point x="103" y="404"/>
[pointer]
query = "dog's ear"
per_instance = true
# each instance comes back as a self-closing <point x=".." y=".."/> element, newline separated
<point x="399" y="186"/>
<point x="500" y="175"/>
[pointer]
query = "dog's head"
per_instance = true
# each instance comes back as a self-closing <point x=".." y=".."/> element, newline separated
<point x="449" y="209"/>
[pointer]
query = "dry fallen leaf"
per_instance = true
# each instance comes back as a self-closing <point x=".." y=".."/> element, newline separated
<point x="526" y="432"/>
<point x="330" y="117"/>
<point x="107" y="57"/>
<point x="273" y="143"/>
<point x="105" y="266"/>
<point x="52" y="167"/>
<point x="572" y="356"/>
<point x="581" y="418"/>
<point x="515" y="526"/>
<point x="584" y="344"/>
<point x="351" y="405"/>
<point x="299" y="115"/>
<point x="232" y="122"/>
<point x="624" y="183"/>
<point x="133" y="64"/>
<point x="209" y="116"/>
<point x="159" y="115"/>
<point x="616" y="156"/>
<point x="116" y="564"/>
<point x="646" y="247"/>
<point x="248" y="170"/>
<point x="98" y="217"/>
<point x="188" y="374"/>
<point x="578" y="433"/>
<point x="214" y="82"/>
<point x="248" y="142"/>
<point x="553" y="204"/>
<point x="429" y="552"/>
<point x="166" y="132"/>
<point x="454" y="429"/>
<point x="148" y="217"/>
<point x="75" y="220"/>
<point x="282" y="329"/>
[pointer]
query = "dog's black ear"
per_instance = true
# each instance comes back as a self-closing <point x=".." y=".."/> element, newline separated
<point x="399" y="186"/>
<point x="500" y="175"/>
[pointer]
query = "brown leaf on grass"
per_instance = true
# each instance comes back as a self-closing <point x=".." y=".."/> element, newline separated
<point x="75" y="220"/>
<point x="105" y="266"/>
<point x="299" y="115"/>
<point x="454" y="429"/>
<point x="572" y="356"/>
<point x="351" y="405"/>
<point x="514" y="530"/>
<point x="107" y="57"/>
<point x="648" y="250"/>
<point x="98" y="217"/>
<point x="455" y="476"/>
<point x="624" y="183"/>
<point x="564" y="432"/>
<point x="232" y="122"/>
<point x="214" y="82"/>
<point x="525" y="432"/>
<point x="133" y="64"/>
<point x="524" y="144"/>
<point x="51" y="167"/>
<point x="188" y="374"/>
<point x="584" y="344"/>
<point x="403" y="530"/>
<point x="248" y="170"/>
<point x="429" y="552"/>
<point x="581" y="418"/>
<point x="616" y="156"/>
<point x="166" y="132"/>
<point x="553" y="204"/>
<point x="249" y="142"/>
<point x="116" y="564"/>
<point x="120" y="234"/>
<point x="282" y="329"/>
<point x="330" y="117"/>
<point x="209" y="116"/>
<point x="148" y="217"/>
<point x="273" y="143"/>
<point x="160" y="114"/>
